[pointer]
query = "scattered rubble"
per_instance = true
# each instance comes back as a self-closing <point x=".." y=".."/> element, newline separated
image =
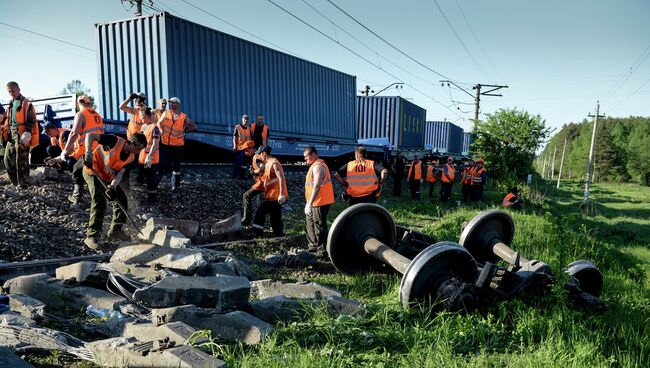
<point x="186" y="261"/>
<point x="292" y="258"/>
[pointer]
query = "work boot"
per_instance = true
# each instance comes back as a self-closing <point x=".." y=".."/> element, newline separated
<point x="76" y="194"/>
<point x="118" y="235"/>
<point x="91" y="242"/>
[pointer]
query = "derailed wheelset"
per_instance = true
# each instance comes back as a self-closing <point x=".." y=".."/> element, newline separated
<point x="448" y="275"/>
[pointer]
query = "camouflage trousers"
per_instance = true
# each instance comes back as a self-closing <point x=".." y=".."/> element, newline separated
<point x="17" y="163"/>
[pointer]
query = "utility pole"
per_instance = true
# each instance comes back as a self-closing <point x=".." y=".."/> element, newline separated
<point x="553" y="163"/>
<point x="477" y="95"/>
<point x="477" y="103"/>
<point x="590" y="165"/>
<point x="559" y="175"/>
<point x="138" y="7"/>
<point x="366" y="91"/>
<point x="544" y="167"/>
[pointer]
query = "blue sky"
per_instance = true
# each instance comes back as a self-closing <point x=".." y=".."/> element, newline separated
<point x="558" y="57"/>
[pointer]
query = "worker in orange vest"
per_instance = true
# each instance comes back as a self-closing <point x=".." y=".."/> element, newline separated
<point x="58" y="137"/>
<point x="86" y="121"/>
<point x="160" y="111"/>
<point x="241" y="135"/>
<point x="105" y="163"/>
<point x="173" y="125"/>
<point x="260" y="132"/>
<point x="447" y="177"/>
<point x="415" y="177"/>
<point x="257" y="171"/>
<point x="275" y="193"/>
<point x="512" y="200"/>
<point x="319" y="195"/>
<point x="362" y="178"/>
<point x="137" y="117"/>
<point x="19" y="135"/>
<point x="432" y="176"/>
<point x="479" y="177"/>
<point x="398" y="169"/>
<point x="466" y="180"/>
<point x="149" y="157"/>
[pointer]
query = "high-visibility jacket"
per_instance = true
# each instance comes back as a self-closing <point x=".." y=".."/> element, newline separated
<point x="361" y="178"/>
<point x="148" y="133"/>
<point x="326" y="193"/>
<point x="467" y="175"/>
<point x="94" y="125"/>
<point x="58" y="140"/>
<point x="173" y="131"/>
<point x="272" y="182"/>
<point x="107" y="163"/>
<point x="477" y="180"/>
<point x="157" y="113"/>
<point x="507" y="200"/>
<point x="431" y="174"/>
<point x="265" y="132"/>
<point x="259" y="183"/>
<point x="418" y="170"/>
<point x="451" y="173"/>
<point x="21" y="119"/>
<point x="136" y="121"/>
<point x="243" y="136"/>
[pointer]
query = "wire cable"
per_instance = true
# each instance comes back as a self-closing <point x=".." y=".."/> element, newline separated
<point x="50" y="37"/>
<point x="637" y="63"/>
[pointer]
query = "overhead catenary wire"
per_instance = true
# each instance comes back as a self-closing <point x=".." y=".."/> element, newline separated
<point x="49" y="37"/>
<point x="630" y="95"/>
<point x="628" y="73"/>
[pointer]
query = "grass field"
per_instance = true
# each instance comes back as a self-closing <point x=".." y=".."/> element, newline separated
<point x="546" y="331"/>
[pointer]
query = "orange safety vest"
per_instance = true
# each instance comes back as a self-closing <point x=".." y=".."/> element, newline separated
<point x="272" y="182"/>
<point x="21" y="119"/>
<point x="94" y="125"/>
<point x="157" y="113"/>
<point x="259" y="183"/>
<point x="451" y="173"/>
<point x="431" y="176"/>
<point x="173" y="131"/>
<point x="506" y="201"/>
<point x="106" y="164"/>
<point x="148" y="132"/>
<point x="467" y="175"/>
<point x="265" y="132"/>
<point x="326" y="193"/>
<point x="418" y="171"/>
<point x="476" y="177"/>
<point x="136" y="121"/>
<point x="361" y="178"/>
<point x="54" y="141"/>
<point x="243" y="136"/>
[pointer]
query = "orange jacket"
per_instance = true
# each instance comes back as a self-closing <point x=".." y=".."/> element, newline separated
<point x="468" y="173"/>
<point x="418" y="170"/>
<point x="451" y="174"/>
<point x="431" y="174"/>
<point x="507" y="200"/>
<point x="148" y="132"/>
<point x="94" y="125"/>
<point x="173" y="131"/>
<point x="21" y="119"/>
<point x="58" y="140"/>
<point x="259" y="183"/>
<point x="243" y="136"/>
<point x="136" y="121"/>
<point x="476" y="176"/>
<point x="106" y="164"/>
<point x="272" y="182"/>
<point x="361" y="178"/>
<point x="326" y="193"/>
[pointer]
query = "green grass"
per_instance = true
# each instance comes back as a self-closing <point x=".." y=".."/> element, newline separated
<point x="539" y="332"/>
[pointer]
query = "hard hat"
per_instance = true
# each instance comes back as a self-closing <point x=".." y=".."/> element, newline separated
<point x="175" y="100"/>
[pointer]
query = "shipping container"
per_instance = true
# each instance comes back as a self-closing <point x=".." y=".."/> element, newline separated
<point x="443" y="136"/>
<point x="467" y="142"/>
<point x="219" y="77"/>
<point x="394" y="118"/>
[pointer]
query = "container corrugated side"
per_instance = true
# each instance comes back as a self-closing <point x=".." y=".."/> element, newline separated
<point x="401" y="121"/>
<point x="455" y="139"/>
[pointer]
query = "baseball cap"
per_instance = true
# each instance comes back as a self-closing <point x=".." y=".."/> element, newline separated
<point x="175" y="100"/>
<point x="49" y="125"/>
<point x="266" y="149"/>
<point x="83" y="99"/>
<point x="245" y="116"/>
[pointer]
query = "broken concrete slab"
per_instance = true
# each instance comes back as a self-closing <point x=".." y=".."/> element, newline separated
<point x="189" y="228"/>
<point x="339" y="305"/>
<point x="140" y="273"/>
<point x="177" y="332"/>
<point x="84" y="272"/>
<point x="233" y="327"/>
<point x="129" y="352"/>
<point x="263" y="289"/>
<point x="292" y="258"/>
<point x="220" y="292"/>
<point x="218" y="268"/>
<point x="230" y="225"/>
<point x="55" y="294"/>
<point x="240" y="268"/>
<point x="9" y="359"/>
<point x="171" y="238"/>
<point x="27" y="306"/>
<point x="16" y="319"/>
<point x="212" y="255"/>
<point x="185" y="261"/>
<point x="20" y="338"/>
<point x="280" y="308"/>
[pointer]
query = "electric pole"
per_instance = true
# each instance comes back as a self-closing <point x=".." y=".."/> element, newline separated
<point x="477" y="103"/>
<point x="477" y="96"/>
<point x="366" y="91"/>
<point x="559" y="175"/>
<point x="553" y="163"/>
<point x="138" y="7"/>
<point x="590" y="165"/>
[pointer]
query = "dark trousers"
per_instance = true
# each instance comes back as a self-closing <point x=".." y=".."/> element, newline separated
<point x="239" y="165"/>
<point x="432" y="186"/>
<point x="445" y="191"/>
<point x="477" y="193"/>
<point x="316" y="226"/>
<point x="274" y="209"/>
<point x="98" y="206"/>
<point x="370" y="198"/>
<point x="170" y="161"/>
<point x="150" y="180"/>
<point x="415" y="189"/>
<point x="55" y="151"/>
<point x="466" y="190"/>
<point x="247" y="198"/>
<point x="397" y="185"/>
<point x="17" y="163"/>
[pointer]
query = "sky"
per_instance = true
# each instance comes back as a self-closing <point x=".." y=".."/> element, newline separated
<point x="557" y="57"/>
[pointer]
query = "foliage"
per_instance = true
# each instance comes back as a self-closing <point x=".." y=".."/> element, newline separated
<point x="78" y="88"/>
<point x="507" y="141"/>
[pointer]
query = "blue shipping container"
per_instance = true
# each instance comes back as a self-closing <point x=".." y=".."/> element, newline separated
<point x="395" y="118"/>
<point x="467" y="142"/>
<point x="219" y="77"/>
<point x="443" y="136"/>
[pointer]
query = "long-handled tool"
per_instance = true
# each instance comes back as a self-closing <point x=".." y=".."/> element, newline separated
<point x="135" y="226"/>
